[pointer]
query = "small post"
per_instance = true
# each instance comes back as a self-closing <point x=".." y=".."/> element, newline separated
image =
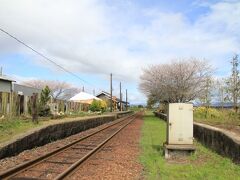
<point x="126" y="100"/>
<point x="11" y="99"/>
<point x="111" y="93"/>
<point x="34" y="108"/>
<point x="120" y="96"/>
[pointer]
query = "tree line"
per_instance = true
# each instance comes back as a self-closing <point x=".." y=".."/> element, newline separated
<point x="190" y="80"/>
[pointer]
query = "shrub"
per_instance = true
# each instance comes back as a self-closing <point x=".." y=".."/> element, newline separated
<point x="95" y="106"/>
<point x="98" y="106"/>
<point x="103" y="106"/>
<point x="44" y="110"/>
<point x="203" y="112"/>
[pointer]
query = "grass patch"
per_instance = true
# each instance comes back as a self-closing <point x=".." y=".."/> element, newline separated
<point x="225" y="117"/>
<point x="204" y="164"/>
<point x="9" y="128"/>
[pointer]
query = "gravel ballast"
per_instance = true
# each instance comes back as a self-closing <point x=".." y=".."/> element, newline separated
<point x="118" y="159"/>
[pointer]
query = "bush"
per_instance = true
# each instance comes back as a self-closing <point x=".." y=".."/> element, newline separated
<point x="44" y="110"/>
<point x="98" y="106"/>
<point x="203" y="112"/>
<point x="95" y="106"/>
<point x="103" y="106"/>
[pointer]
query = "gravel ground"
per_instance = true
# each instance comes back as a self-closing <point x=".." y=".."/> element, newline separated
<point x="118" y="159"/>
<point x="27" y="155"/>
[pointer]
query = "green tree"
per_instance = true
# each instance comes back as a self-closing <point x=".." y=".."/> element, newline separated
<point x="45" y="95"/>
<point x="44" y="109"/>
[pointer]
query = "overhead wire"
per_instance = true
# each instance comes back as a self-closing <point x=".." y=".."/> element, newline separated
<point x="45" y="57"/>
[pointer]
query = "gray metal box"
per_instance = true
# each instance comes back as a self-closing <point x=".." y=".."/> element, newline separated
<point x="180" y="124"/>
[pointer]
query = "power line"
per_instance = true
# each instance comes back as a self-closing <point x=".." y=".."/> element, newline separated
<point x="45" y="57"/>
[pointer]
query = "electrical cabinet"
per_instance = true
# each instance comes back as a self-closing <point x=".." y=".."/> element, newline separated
<point x="180" y="124"/>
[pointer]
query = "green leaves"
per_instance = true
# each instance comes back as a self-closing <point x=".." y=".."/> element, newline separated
<point x="45" y="96"/>
<point x="98" y="106"/>
<point x="43" y="108"/>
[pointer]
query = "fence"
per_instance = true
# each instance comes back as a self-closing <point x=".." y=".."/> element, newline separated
<point x="9" y="104"/>
<point x="14" y="104"/>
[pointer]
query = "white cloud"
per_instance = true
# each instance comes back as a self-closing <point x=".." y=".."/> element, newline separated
<point x="21" y="79"/>
<point x="90" y="36"/>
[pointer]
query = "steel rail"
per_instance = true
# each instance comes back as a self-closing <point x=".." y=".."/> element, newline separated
<point x="73" y="167"/>
<point x="27" y="165"/>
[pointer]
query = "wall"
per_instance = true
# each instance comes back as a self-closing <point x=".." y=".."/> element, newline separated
<point x="161" y="115"/>
<point x="122" y="113"/>
<point x="5" y="86"/>
<point x="221" y="141"/>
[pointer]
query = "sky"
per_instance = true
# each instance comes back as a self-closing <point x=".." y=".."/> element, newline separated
<point x="93" y="38"/>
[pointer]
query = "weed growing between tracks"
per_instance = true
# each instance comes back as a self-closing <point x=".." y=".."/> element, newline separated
<point x="204" y="164"/>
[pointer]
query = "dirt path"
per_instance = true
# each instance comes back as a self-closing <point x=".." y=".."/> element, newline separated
<point x="118" y="159"/>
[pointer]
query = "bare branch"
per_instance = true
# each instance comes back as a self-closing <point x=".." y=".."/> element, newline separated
<point x="179" y="81"/>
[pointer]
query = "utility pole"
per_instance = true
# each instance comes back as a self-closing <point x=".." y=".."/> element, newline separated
<point x="120" y="96"/>
<point x="94" y="92"/>
<point x="1" y="71"/>
<point x="111" y="93"/>
<point x="83" y="89"/>
<point x="126" y="100"/>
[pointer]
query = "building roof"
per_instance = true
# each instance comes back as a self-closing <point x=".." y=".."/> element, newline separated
<point x="25" y="90"/>
<point x="84" y="97"/>
<point x="5" y="78"/>
<point x="104" y="93"/>
<point x="108" y="95"/>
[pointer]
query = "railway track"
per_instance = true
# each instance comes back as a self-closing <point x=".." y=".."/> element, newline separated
<point x="62" y="162"/>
